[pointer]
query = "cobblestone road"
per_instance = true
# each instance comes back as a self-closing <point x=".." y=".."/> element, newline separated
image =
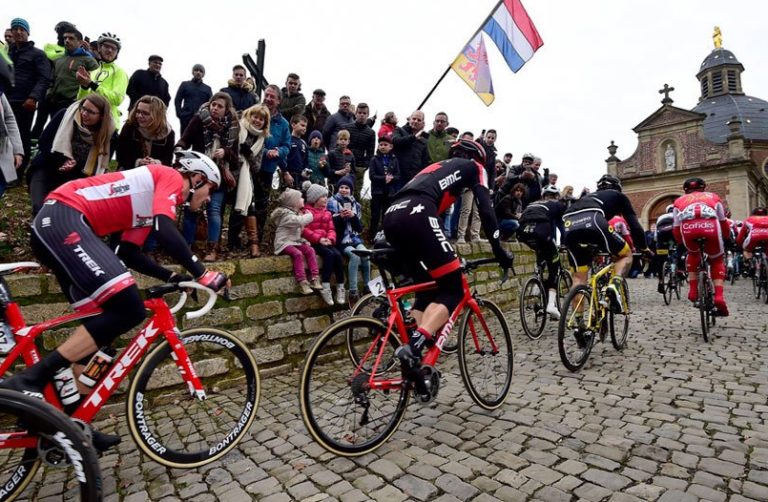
<point x="669" y="419"/>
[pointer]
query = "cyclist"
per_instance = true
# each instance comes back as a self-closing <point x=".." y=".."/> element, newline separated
<point x="586" y="222"/>
<point x="699" y="214"/>
<point x="67" y="237"/>
<point x="411" y="226"/>
<point x="665" y="240"/>
<point x="537" y="231"/>
<point x="754" y="232"/>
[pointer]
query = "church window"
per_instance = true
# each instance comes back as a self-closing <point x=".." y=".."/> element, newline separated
<point x="705" y="87"/>
<point x="732" y="82"/>
<point x="717" y="83"/>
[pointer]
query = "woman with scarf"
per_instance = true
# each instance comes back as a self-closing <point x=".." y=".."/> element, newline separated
<point x="74" y="144"/>
<point x="146" y="138"/>
<point x="254" y="129"/>
<point x="213" y="131"/>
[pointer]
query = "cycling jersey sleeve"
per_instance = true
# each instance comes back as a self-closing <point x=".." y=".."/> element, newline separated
<point x="487" y="215"/>
<point x="635" y="228"/>
<point x="134" y="259"/>
<point x="168" y="235"/>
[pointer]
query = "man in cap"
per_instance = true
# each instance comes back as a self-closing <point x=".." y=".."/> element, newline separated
<point x="148" y="82"/>
<point x="191" y="95"/>
<point x="316" y="112"/>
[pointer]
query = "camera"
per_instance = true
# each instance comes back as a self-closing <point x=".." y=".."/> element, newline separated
<point x="307" y="172"/>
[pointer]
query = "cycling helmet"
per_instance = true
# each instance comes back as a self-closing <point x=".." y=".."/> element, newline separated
<point x="694" y="185"/>
<point x="6" y="72"/>
<point x="609" y="182"/>
<point x="110" y="37"/>
<point x="188" y="161"/>
<point x="468" y="149"/>
<point x="550" y="190"/>
<point x="670" y="208"/>
<point x="759" y="211"/>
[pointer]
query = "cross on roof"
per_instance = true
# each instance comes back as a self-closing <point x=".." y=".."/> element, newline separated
<point x="665" y="91"/>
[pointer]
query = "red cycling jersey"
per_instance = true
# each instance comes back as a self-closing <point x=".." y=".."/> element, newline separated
<point x="124" y="201"/>
<point x="700" y="215"/>
<point x="620" y="226"/>
<point x="753" y="233"/>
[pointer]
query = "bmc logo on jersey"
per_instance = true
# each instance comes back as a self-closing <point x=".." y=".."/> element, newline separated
<point x="118" y="188"/>
<point x="450" y="179"/>
<point x="688" y="226"/>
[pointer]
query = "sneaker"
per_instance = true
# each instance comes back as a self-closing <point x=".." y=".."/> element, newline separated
<point x="326" y="295"/>
<point x="660" y="288"/>
<point x="341" y="294"/>
<point x="315" y="284"/>
<point x="305" y="289"/>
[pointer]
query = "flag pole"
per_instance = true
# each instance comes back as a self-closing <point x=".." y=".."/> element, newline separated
<point x="488" y="18"/>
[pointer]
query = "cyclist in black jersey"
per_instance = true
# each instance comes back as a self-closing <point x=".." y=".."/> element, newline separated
<point x="412" y="226"/>
<point x="537" y="230"/>
<point x="586" y="222"/>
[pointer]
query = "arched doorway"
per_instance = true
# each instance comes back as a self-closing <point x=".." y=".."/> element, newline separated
<point x="660" y="207"/>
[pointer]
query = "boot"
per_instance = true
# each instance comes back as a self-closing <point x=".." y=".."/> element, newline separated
<point x="252" y="231"/>
<point x="212" y="252"/>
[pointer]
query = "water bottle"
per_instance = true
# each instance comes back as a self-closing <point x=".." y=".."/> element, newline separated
<point x="64" y="381"/>
<point x="7" y="340"/>
<point x="97" y="366"/>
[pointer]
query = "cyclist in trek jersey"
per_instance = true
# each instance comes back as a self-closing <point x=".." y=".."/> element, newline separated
<point x="412" y="226"/>
<point x="586" y="222"/>
<point x="67" y="236"/>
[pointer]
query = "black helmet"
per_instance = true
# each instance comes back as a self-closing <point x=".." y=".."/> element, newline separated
<point x="759" y="211"/>
<point x="468" y="149"/>
<point x="6" y="72"/>
<point x="694" y="185"/>
<point x="609" y="182"/>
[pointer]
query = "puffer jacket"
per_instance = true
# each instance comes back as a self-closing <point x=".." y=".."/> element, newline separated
<point x="288" y="227"/>
<point x="321" y="226"/>
<point x="32" y="72"/>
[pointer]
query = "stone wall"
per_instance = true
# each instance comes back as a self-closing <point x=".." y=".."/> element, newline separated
<point x="268" y="312"/>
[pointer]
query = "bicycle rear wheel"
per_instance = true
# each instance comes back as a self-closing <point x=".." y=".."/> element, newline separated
<point x="58" y="443"/>
<point x="667" y="282"/>
<point x="376" y="307"/>
<point x="172" y="424"/>
<point x="533" y="303"/>
<point x="618" y="322"/>
<point x="705" y="304"/>
<point x="486" y="357"/>
<point x="339" y="407"/>
<point x="574" y="337"/>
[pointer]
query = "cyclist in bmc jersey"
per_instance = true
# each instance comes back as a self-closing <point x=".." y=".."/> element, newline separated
<point x="754" y="232"/>
<point x="700" y="215"/>
<point x="412" y="226"/>
<point x="537" y="230"/>
<point x="586" y="222"/>
<point x="67" y="236"/>
<point x="665" y="240"/>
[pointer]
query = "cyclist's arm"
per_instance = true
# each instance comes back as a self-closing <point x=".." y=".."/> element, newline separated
<point x="174" y="244"/>
<point x="131" y="254"/>
<point x="487" y="216"/>
<point x="742" y="233"/>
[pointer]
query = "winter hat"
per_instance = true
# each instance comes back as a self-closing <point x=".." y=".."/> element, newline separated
<point x="385" y="138"/>
<point x="347" y="180"/>
<point x="315" y="134"/>
<point x="21" y="23"/>
<point x="314" y="192"/>
<point x="289" y="198"/>
<point x="198" y="66"/>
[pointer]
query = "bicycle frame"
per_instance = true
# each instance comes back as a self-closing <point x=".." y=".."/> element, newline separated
<point x="600" y="311"/>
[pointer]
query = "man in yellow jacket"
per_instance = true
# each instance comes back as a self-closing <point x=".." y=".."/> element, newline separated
<point x="108" y="79"/>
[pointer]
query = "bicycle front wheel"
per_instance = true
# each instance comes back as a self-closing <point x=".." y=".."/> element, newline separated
<point x="618" y="322"/>
<point x="485" y="355"/>
<point x="176" y="427"/>
<point x="533" y="313"/>
<point x="574" y="336"/>
<point x="347" y="410"/>
<point x="56" y="439"/>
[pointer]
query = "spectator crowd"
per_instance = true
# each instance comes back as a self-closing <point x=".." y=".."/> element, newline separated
<point x="288" y="164"/>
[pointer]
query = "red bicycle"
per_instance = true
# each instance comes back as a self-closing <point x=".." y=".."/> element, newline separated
<point x="192" y="399"/>
<point x="351" y="409"/>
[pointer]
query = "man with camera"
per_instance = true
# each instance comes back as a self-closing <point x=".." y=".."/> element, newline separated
<point x="528" y="174"/>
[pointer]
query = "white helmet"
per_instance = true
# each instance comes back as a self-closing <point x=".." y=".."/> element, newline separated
<point x="550" y="190"/>
<point x="188" y="161"/>
<point x="110" y="37"/>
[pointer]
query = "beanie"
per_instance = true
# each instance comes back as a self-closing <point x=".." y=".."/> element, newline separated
<point x="346" y="180"/>
<point x="198" y="66"/>
<point x="289" y="198"/>
<point x="315" y="134"/>
<point x="21" y="23"/>
<point x="314" y="192"/>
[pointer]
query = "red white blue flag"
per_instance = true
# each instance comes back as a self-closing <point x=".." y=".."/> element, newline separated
<point x="514" y="33"/>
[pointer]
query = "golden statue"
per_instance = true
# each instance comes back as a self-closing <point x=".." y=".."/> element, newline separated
<point x="717" y="37"/>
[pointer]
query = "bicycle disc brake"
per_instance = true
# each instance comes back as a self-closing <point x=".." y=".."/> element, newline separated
<point x="359" y="387"/>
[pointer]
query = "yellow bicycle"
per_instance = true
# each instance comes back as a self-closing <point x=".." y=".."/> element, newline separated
<point x="587" y="314"/>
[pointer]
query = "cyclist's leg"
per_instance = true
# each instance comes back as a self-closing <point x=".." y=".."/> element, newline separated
<point x="716" y="252"/>
<point x="546" y="251"/>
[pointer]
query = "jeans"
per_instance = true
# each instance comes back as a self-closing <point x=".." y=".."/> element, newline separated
<point x="354" y="266"/>
<point x="214" y="210"/>
<point x="508" y="227"/>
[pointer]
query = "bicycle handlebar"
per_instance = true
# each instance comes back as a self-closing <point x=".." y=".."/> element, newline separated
<point x="468" y="265"/>
<point x="205" y="308"/>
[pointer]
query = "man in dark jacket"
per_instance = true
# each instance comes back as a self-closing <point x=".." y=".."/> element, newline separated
<point x="362" y="142"/>
<point x="338" y="121"/>
<point x="191" y="95"/>
<point x="293" y="102"/>
<point x="410" y="142"/>
<point x="489" y="144"/>
<point x="240" y="90"/>
<point x="316" y="112"/>
<point x="32" y="73"/>
<point x="525" y="173"/>
<point x="149" y="82"/>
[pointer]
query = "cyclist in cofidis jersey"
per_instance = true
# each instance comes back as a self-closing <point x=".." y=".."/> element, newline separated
<point x="411" y="226"/>
<point x="701" y="215"/>
<point x="67" y="237"/>
<point x="586" y="222"/>
<point x="754" y="232"/>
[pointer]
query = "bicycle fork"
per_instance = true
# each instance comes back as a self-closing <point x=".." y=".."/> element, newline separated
<point x="185" y="366"/>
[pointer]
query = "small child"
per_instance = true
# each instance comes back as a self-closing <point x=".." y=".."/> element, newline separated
<point x="346" y="218"/>
<point x="317" y="160"/>
<point x="385" y="175"/>
<point x="341" y="160"/>
<point x="322" y="235"/>
<point x="388" y="125"/>
<point x="296" y="161"/>
<point x="290" y="218"/>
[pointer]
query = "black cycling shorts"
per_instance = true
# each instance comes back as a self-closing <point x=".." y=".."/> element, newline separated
<point x="539" y="237"/>
<point x="88" y="271"/>
<point x="589" y="227"/>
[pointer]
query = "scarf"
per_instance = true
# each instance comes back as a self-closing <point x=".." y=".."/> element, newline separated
<point x="148" y="138"/>
<point x="223" y="130"/>
<point x="244" y="194"/>
<point x="98" y="157"/>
